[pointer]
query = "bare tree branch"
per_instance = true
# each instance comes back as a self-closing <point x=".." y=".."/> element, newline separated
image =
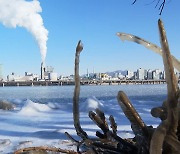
<point x="161" y="7"/>
<point x="157" y="3"/>
<point x="134" y="2"/>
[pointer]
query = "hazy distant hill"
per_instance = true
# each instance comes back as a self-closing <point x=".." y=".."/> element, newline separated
<point x="118" y="71"/>
<point x="109" y="73"/>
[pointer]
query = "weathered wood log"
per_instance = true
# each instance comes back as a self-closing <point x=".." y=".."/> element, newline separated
<point x="168" y="126"/>
<point x="142" y="132"/>
<point x="43" y="149"/>
<point x="137" y="124"/>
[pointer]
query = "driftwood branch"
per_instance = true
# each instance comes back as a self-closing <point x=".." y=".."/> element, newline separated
<point x="109" y="138"/>
<point x="113" y="124"/>
<point x="44" y="149"/>
<point x="147" y="139"/>
<point x="77" y="125"/>
<point x="71" y="138"/>
<point x="99" y="122"/>
<point x="159" y="112"/>
<point x="137" y="123"/>
<point x="148" y="45"/>
<point x="168" y="126"/>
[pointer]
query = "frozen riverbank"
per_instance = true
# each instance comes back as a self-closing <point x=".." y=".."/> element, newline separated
<point x="43" y="114"/>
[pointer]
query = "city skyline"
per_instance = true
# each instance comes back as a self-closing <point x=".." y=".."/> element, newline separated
<point x="47" y="73"/>
<point x="92" y="71"/>
<point x="95" y="23"/>
<point x="124" y="72"/>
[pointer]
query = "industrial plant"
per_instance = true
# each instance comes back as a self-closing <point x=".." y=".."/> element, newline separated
<point x="47" y="73"/>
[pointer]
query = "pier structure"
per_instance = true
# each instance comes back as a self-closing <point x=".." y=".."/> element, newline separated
<point x="83" y="82"/>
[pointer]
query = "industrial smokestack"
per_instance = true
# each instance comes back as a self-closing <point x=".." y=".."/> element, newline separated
<point x="42" y="71"/>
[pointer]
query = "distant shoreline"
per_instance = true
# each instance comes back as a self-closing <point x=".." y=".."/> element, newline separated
<point x="83" y="82"/>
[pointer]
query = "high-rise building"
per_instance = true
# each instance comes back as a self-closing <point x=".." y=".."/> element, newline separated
<point x="140" y="74"/>
<point x="87" y="75"/>
<point x="156" y="74"/>
<point x="145" y="74"/>
<point x="130" y="74"/>
<point x="149" y="75"/>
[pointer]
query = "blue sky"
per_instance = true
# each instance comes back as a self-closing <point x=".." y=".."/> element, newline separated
<point x="95" y="22"/>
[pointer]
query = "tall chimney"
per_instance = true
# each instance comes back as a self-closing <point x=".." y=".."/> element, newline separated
<point x="42" y="71"/>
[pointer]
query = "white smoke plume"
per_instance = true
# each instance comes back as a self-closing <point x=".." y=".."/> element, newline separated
<point x="25" y="14"/>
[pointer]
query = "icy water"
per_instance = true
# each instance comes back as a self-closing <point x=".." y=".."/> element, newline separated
<point x="43" y="114"/>
<point x="62" y="94"/>
<point x="143" y="97"/>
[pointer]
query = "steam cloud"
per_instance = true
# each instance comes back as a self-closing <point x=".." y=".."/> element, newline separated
<point x="25" y="14"/>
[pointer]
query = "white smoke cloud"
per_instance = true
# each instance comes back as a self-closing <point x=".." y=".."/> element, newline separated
<point x="25" y="14"/>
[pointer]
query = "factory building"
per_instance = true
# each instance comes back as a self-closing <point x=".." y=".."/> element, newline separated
<point x="42" y="71"/>
<point x="34" y="76"/>
<point x="47" y="73"/>
<point x="52" y="76"/>
<point x="14" y="77"/>
<point x="27" y="77"/>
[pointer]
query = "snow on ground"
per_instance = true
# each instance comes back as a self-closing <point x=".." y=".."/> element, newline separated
<point x="43" y="123"/>
<point x="91" y="104"/>
<point x="36" y="124"/>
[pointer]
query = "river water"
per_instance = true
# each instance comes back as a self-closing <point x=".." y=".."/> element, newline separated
<point x="61" y="93"/>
